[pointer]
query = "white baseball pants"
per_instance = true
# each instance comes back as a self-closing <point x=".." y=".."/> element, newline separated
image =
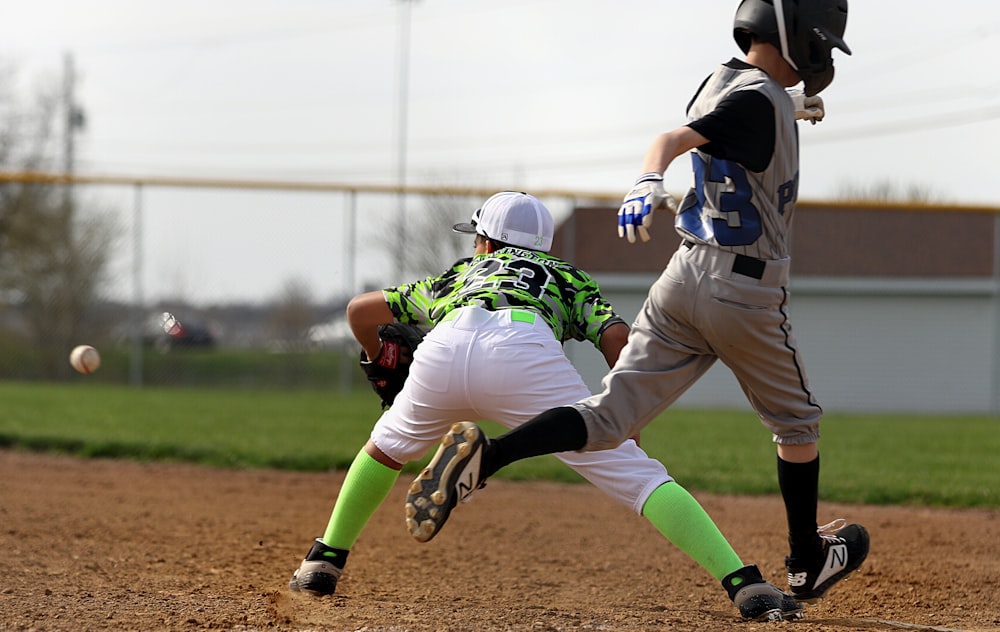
<point x="505" y="366"/>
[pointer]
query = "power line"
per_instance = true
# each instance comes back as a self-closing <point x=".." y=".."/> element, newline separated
<point x="921" y="124"/>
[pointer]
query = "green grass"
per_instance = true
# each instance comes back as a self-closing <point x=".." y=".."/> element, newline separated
<point x="879" y="459"/>
<point x="303" y="429"/>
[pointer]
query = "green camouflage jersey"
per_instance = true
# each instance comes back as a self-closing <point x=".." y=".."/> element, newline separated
<point x="566" y="297"/>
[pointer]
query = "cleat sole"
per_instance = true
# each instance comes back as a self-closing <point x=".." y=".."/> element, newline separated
<point x="430" y="501"/>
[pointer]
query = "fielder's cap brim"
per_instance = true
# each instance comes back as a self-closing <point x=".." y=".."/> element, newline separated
<point x="464" y="227"/>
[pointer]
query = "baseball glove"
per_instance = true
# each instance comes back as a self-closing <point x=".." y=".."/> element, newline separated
<point x="389" y="370"/>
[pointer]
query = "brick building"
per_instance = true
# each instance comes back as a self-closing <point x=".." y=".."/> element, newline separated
<point x="896" y="308"/>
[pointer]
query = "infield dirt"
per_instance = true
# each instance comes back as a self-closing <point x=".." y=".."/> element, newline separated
<point x="119" y="545"/>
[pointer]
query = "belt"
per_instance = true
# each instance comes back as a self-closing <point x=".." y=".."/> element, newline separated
<point x="516" y="315"/>
<point x="742" y="264"/>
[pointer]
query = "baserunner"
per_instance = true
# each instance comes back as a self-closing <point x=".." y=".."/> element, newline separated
<point x="723" y="295"/>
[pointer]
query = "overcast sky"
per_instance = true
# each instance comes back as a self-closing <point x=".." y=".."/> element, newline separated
<point x="529" y="94"/>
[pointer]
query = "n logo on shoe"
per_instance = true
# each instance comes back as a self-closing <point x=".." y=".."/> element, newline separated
<point x="838" y="556"/>
<point x="468" y="480"/>
<point x="836" y="561"/>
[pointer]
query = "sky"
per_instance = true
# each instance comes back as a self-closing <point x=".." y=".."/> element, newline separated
<point x="524" y="94"/>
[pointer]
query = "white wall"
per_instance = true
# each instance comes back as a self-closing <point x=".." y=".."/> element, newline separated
<point x="868" y="345"/>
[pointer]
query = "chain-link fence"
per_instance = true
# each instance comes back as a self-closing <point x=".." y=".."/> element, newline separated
<point x="258" y="273"/>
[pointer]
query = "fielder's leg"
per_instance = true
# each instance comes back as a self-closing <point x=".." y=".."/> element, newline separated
<point x="366" y="486"/>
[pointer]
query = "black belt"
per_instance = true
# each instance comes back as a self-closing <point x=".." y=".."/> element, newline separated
<point x="747" y="266"/>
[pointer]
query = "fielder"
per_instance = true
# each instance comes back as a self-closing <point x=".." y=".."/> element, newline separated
<point x="723" y="294"/>
<point x="497" y="322"/>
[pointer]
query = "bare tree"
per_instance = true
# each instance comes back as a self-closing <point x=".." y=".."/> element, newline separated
<point x="292" y="317"/>
<point x="430" y="243"/>
<point x="53" y="252"/>
<point x="887" y="191"/>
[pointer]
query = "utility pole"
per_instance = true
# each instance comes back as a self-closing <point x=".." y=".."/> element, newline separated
<point x="66" y="313"/>
<point x="74" y="121"/>
<point x="402" y="99"/>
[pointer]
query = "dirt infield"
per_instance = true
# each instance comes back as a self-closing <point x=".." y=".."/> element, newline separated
<point x="114" y="545"/>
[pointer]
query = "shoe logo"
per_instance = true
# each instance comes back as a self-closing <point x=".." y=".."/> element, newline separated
<point x="836" y="561"/>
<point x="838" y="556"/>
<point x="468" y="480"/>
<point x="332" y="554"/>
<point x="797" y="579"/>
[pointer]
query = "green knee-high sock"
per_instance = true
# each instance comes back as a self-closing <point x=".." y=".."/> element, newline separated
<point x="681" y="519"/>
<point x="367" y="484"/>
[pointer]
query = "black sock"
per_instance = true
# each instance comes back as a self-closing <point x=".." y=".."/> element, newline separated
<point x="799" y="483"/>
<point x="556" y="430"/>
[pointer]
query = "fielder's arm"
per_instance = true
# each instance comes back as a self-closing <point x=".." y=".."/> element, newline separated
<point x="365" y="313"/>
<point x="613" y="340"/>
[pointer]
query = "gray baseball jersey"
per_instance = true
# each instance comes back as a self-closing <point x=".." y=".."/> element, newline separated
<point x="722" y="295"/>
<point x="731" y="206"/>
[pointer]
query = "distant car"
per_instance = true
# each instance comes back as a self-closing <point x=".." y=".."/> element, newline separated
<point x="191" y="335"/>
<point x="184" y="334"/>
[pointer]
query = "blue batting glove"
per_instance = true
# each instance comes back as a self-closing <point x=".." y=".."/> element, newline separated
<point x="636" y="212"/>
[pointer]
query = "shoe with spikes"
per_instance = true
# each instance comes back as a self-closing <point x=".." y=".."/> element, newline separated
<point x="319" y="571"/>
<point x="452" y="475"/>
<point x="845" y="547"/>
<point x="759" y="599"/>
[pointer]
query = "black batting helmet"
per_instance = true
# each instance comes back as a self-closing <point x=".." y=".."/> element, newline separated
<point x="805" y="31"/>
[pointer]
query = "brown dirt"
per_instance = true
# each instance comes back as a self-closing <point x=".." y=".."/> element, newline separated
<point x="115" y="545"/>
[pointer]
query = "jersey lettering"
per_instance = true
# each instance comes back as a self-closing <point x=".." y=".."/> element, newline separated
<point x="787" y="193"/>
<point x="737" y="222"/>
<point x="482" y="275"/>
<point x="531" y="278"/>
<point x="566" y="297"/>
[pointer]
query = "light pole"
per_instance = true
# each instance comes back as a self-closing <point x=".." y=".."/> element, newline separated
<point x="74" y="122"/>
<point x="402" y="99"/>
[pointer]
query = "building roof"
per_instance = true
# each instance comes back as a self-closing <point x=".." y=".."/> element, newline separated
<point x="829" y="240"/>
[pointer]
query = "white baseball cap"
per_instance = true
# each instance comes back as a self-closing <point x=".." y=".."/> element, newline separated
<point x="514" y="218"/>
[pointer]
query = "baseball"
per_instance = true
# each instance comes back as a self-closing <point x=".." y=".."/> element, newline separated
<point x="85" y="359"/>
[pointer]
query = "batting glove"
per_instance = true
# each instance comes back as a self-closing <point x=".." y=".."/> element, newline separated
<point x="636" y="212"/>
<point x="807" y="108"/>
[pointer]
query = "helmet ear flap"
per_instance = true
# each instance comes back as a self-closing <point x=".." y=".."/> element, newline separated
<point x="743" y="40"/>
<point x="813" y="54"/>
<point x="815" y="82"/>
